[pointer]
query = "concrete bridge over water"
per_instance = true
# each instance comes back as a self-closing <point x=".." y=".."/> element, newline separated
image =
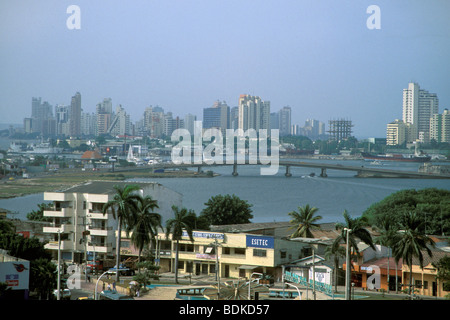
<point x="361" y="171"/>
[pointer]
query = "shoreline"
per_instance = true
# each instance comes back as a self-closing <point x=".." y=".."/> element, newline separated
<point x="65" y="178"/>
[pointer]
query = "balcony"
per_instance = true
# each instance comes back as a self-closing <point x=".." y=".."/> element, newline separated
<point x="97" y="231"/>
<point x="100" y="248"/>
<point x="63" y="228"/>
<point x="65" y="245"/>
<point x="98" y="215"/>
<point x="61" y="213"/>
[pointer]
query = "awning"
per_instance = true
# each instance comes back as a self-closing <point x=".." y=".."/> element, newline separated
<point x="248" y="267"/>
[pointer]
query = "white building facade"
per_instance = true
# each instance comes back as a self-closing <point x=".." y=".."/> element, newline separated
<point x="81" y="225"/>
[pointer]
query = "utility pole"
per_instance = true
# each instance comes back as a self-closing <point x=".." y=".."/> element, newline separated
<point x="348" y="267"/>
<point x="314" y="275"/>
<point x="58" y="286"/>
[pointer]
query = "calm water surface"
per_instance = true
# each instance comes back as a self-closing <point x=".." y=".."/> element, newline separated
<point x="273" y="197"/>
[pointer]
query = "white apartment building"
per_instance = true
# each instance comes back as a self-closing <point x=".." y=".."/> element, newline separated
<point x="254" y="113"/>
<point x="418" y="107"/>
<point x="121" y="124"/>
<point x="399" y="132"/>
<point x="83" y="228"/>
<point x="440" y="126"/>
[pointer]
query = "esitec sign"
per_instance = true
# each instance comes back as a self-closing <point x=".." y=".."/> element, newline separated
<point x="260" y="242"/>
<point x="16" y="274"/>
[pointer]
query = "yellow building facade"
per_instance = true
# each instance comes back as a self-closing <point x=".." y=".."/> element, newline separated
<point x="229" y="255"/>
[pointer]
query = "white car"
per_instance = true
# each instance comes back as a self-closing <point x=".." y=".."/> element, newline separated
<point x="64" y="294"/>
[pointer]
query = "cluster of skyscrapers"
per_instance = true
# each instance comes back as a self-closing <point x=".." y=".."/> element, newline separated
<point x="71" y="121"/>
<point x="421" y="121"/>
<point x="252" y="112"/>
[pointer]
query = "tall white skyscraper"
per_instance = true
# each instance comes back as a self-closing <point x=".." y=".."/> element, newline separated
<point x="418" y="107"/>
<point x="254" y="113"/>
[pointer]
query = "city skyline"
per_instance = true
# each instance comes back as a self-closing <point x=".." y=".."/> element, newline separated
<point x="319" y="58"/>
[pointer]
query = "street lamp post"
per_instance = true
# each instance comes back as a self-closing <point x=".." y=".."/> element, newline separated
<point x="298" y="290"/>
<point x="249" y="284"/>
<point x="347" y="271"/>
<point x="96" y="284"/>
<point x="58" y="285"/>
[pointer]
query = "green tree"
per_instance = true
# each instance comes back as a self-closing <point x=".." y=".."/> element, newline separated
<point x="410" y="241"/>
<point x="38" y="215"/>
<point x="145" y="227"/>
<point x="124" y="209"/>
<point x="304" y="221"/>
<point x="25" y="248"/>
<point x="177" y="226"/>
<point x="357" y="233"/>
<point x="443" y="271"/>
<point x="42" y="273"/>
<point x="431" y="204"/>
<point x="226" y="209"/>
<point x="43" y="278"/>
<point x="149" y="272"/>
<point x="6" y="226"/>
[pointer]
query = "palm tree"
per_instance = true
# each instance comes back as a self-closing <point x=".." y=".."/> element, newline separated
<point x="357" y="231"/>
<point x="124" y="205"/>
<point x="337" y="253"/>
<point x="176" y="226"/>
<point x="43" y="277"/>
<point x="411" y="241"/>
<point x="387" y="228"/>
<point x="304" y="221"/>
<point x="145" y="228"/>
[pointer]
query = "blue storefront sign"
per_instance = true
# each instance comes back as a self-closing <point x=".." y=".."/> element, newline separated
<point x="260" y="242"/>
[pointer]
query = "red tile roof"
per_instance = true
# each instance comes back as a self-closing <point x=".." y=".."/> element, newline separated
<point x="91" y="155"/>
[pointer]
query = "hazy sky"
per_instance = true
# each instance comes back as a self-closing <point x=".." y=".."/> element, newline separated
<point x="316" y="56"/>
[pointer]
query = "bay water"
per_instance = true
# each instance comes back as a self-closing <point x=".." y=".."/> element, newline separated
<point x="273" y="197"/>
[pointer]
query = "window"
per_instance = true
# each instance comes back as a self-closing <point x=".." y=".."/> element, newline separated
<point x="209" y="250"/>
<point x="226" y="250"/>
<point x="259" y="253"/>
<point x="239" y="250"/>
<point x="283" y="254"/>
<point x="186" y="247"/>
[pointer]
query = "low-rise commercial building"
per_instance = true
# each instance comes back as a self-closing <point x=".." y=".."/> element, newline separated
<point x="235" y="255"/>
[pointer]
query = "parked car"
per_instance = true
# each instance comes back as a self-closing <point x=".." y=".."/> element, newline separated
<point x="65" y="294"/>
<point x="124" y="271"/>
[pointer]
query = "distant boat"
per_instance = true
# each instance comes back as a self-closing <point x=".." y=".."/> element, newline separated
<point x="396" y="157"/>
